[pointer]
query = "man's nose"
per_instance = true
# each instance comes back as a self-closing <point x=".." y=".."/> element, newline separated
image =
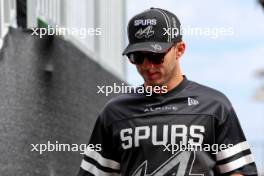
<point x="147" y="64"/>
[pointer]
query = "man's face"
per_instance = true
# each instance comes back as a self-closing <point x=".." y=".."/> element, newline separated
<point x="160" y="74"/>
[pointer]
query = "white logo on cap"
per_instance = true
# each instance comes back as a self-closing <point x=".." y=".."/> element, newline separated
<point x="156" y="47"/>
<point x="145" y="22"/>
<point x="147" y="32"/>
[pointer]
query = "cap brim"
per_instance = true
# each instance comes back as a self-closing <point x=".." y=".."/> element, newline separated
<point x="155" y="47"/>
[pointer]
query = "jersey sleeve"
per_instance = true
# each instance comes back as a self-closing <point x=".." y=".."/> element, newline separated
<point x="237" y="157"/>
<point x="103" y="159"/>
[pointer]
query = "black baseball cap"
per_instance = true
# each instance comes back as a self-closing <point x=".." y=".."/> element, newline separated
<point x="153" y="30"/>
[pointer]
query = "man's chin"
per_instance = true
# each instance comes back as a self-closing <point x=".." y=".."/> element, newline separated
<point x="154" y="83"/>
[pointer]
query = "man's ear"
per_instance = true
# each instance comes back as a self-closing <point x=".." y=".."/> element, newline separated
<point x="180" y="47"/>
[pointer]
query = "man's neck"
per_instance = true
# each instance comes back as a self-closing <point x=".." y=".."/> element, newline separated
<point x="171" y="85"/>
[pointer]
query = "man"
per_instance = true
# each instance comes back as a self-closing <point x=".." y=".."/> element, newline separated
<point x="188" y="130"/>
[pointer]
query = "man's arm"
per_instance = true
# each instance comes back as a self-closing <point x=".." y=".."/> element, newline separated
<point x="237" y="159"/>
<point x="102" y="160"/>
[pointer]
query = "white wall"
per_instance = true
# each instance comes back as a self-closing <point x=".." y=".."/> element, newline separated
<point x="1" y="21"/>
<point x="107" y="16"/>
<point x="7" y="17"/>
<point x="111" y="44"/>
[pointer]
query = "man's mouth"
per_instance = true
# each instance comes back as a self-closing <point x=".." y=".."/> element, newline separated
<point x="152" y="75"/>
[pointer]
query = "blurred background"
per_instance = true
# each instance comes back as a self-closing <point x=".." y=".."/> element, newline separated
<point x="75" y="64"/>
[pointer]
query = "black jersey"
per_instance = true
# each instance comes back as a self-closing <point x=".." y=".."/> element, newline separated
<point x="191" y="130"/>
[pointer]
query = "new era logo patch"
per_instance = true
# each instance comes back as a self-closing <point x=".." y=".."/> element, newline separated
<point x="192" y="102"/>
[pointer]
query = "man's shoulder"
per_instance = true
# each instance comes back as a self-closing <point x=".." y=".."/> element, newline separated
<point x="207" y="93"/>
<point x="120" y="105"/>
<point x="123" y="99"/>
